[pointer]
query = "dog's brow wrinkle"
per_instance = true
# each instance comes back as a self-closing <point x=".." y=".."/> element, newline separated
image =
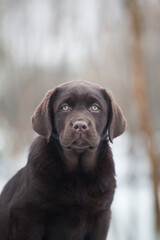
<point x="80" y="91"/>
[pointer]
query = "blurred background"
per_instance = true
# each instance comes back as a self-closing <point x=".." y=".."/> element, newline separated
<point x="115" y="43"/>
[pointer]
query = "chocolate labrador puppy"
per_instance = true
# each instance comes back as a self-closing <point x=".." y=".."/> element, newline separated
<point x="66" y="189"/>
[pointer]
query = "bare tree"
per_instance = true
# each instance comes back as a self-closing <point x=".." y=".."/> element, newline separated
<point x="141" y="97"/>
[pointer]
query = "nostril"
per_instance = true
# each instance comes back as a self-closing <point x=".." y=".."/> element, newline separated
<point x="76" y="127"/>
<point x="84" y="127"/>
<point x="80" y="126"/>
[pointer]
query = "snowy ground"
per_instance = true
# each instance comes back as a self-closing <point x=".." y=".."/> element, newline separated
<point x="133" y="204"/>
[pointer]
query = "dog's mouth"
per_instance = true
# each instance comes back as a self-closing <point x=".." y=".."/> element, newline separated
<point x="80" y="145"/>
<point x="79" y="142"/>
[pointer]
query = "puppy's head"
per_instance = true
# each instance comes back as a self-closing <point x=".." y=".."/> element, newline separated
<point x="80" y="114"/>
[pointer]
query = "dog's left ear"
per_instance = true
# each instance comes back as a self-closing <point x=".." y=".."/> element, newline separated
<point x="116" y="122"/>
<point x="41" y="119"/>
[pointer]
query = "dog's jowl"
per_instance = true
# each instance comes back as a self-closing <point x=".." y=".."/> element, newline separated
<point x="66" y="189"/>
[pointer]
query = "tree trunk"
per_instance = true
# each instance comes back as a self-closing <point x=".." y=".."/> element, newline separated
<point x="141" y="98"/>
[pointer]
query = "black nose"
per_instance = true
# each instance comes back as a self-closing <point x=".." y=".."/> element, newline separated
<point x="80" y="126"/>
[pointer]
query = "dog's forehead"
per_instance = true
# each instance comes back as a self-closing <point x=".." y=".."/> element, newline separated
<point x="79" y="88"/>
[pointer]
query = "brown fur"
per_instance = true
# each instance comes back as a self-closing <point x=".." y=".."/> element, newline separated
<point x="66" y="189"/>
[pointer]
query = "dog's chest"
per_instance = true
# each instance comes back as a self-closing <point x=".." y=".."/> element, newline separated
<point x="79" y="199"/>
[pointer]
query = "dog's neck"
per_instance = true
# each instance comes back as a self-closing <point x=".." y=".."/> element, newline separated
<point x="85" y="161"/>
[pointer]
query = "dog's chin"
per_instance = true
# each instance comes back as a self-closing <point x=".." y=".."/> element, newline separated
<point x="81" y="147"/>
<point x="78" y="149"/>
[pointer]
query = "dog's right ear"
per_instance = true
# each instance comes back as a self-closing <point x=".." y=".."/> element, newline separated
<point x="116" y="122"/>
<point x="42" y="118"/>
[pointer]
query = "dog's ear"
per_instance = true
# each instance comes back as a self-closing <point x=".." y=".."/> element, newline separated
<point x="42" y="117"/>
<point x="116" y="122"/>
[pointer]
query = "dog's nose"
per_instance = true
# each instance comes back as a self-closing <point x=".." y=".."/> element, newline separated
<point x="80" y="126"/>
